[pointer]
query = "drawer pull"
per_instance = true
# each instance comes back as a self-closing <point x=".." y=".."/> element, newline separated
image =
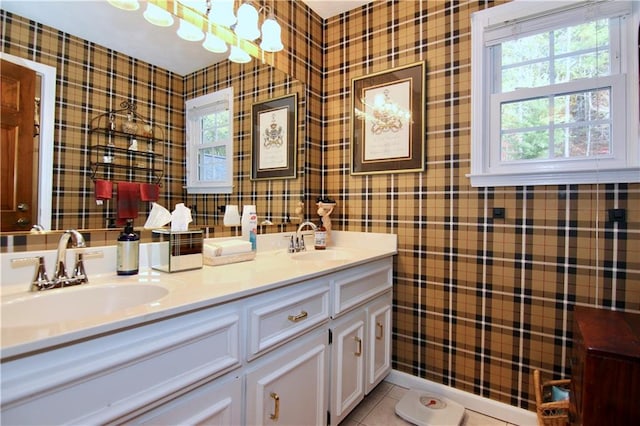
<point x="276" y="407"/>
<point x="379" y="327"/>
<point x="295" y="318"/>
<point x="358" y="351"/>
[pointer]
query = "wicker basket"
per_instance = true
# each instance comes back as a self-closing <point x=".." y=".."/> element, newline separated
<point x="550" y="413"/>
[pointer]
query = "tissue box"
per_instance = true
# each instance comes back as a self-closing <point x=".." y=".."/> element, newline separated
<point x="177" y="251"/>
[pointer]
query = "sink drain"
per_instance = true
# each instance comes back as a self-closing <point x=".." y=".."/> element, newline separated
<point x="432" y="402"/>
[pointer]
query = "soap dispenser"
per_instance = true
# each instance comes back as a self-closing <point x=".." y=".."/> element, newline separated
<point x="128" y="251"/>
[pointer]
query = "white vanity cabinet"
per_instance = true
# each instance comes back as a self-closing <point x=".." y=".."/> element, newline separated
<point x="288" y="386"/>
<point x="360" y="334"/>
<point x="116" y="376"/>
<point x="302" y="353"/>
<point x="216" y="403"/>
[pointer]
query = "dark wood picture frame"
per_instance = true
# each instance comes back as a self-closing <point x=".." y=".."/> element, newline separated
<point x="274" y="135"/>
<point x="384" y="138"/>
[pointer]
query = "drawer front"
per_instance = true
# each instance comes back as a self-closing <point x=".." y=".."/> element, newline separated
<point x="117" y="374"/>
<point x="360" y="284"/>
<point x="286" y="314"/>
<point x="216" y="403"/>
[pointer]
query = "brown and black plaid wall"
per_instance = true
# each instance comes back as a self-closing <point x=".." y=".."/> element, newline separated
<point x="478" y="302"/>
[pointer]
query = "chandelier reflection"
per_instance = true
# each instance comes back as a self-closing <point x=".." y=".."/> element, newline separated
<point x="385" y="116"/>
<point x="215" y="22"/>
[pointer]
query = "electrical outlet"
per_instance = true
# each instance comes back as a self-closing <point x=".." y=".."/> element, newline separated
<point x="617" y="215"/>
<point x="499" y="213"/>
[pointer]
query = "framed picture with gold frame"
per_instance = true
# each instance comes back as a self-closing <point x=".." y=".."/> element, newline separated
<point x="274" y="138"/>
<point x="388" y="121"/>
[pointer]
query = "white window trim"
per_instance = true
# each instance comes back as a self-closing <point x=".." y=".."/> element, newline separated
<point x="624" y="168"/>
<point x="194" y="186"/>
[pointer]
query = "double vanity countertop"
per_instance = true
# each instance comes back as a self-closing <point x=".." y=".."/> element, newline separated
<point x="177" y="293"/>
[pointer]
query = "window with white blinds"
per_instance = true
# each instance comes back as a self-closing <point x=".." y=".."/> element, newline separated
<point x="555" y="93"/>
<point x="209" y="141"/>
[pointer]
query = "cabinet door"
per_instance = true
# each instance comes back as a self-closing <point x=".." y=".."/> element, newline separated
<point x="215" y="403"/>
<point x="378" y="340"/>
<point x="347" y="364"/>
<point x="287" y="387"/>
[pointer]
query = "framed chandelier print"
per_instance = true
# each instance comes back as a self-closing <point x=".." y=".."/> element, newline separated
<point x="274" y="138"/>
<point x="388" y="121"/>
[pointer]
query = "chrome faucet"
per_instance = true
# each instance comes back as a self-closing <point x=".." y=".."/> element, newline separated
<point x="61" y="270"/>
<point x="60" y="279"/>
<point x="300" y="235"/>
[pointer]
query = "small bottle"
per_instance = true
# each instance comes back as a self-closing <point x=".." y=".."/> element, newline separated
<point x="128" y="251"/>
<point x="249" y="225"/>
<point x="320" y="242"/>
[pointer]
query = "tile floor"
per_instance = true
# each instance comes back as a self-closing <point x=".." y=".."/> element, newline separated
<point x="378" y="408"/>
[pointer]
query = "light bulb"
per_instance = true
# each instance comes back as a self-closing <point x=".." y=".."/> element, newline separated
<point x="157" y="16"/>
<point x="188" y="31"/>
<point x="247" y="26"/>
<point x="214" y="44"/>
<point x="239" y="56"/>
<point x="222" y="13"/>
<point x="271" y="30"/>
<point x="129" y="5"/>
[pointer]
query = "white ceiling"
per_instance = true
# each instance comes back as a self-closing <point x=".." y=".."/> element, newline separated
<point x="129" y="33"/>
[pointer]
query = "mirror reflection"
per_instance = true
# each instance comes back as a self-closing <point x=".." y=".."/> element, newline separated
<point x="92" y="80"/>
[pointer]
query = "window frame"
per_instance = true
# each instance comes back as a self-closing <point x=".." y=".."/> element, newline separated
<point x="495" y="25"/>
<point x="194" y="109"/>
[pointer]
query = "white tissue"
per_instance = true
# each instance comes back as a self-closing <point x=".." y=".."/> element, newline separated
<point x="180" y="218"/>
<point x="158" y="217"/>
<point x="226" y="248"/>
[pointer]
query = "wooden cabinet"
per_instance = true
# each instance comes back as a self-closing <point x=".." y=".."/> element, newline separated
<point x="605" y="365"/>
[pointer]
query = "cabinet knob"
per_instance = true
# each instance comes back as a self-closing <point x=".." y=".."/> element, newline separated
<point x="23" y="221"/>
<point x="276" y="407"/>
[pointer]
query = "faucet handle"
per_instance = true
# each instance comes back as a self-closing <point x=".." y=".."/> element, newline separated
<point x="40" y="279"/>
<point x="79" y="273"/>
<point x="292" y="247"/>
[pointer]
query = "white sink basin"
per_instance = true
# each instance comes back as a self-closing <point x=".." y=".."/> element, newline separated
<point x="330" y="254"/>
<point x="76" y="303"/>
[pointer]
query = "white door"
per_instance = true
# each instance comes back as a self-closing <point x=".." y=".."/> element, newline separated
<point x="347" y="364"/>
<point x="288" y="388"/>
<point x="378" y="340"/>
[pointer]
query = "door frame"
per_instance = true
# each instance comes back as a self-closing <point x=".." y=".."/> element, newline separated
<point x="47" y="119"/>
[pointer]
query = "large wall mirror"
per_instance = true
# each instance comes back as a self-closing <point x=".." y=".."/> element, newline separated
<point x="91" y="79"/>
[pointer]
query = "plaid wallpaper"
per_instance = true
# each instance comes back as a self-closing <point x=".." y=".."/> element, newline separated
<point x="478" y="302"/>
<point x="92" y="79"/>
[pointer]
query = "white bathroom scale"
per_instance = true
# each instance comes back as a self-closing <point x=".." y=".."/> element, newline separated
<point x="423" y="408"/>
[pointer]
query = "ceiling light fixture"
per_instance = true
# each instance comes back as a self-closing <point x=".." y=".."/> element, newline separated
<point x="216" y="20"/>
<point x="189" y="32"/>
<point x="158" y="16"/>
<point x="125" y="4"/>
<point x="214" y="44"/>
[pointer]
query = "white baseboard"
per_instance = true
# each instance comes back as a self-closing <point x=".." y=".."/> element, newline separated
<point x="489" y="407"/>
